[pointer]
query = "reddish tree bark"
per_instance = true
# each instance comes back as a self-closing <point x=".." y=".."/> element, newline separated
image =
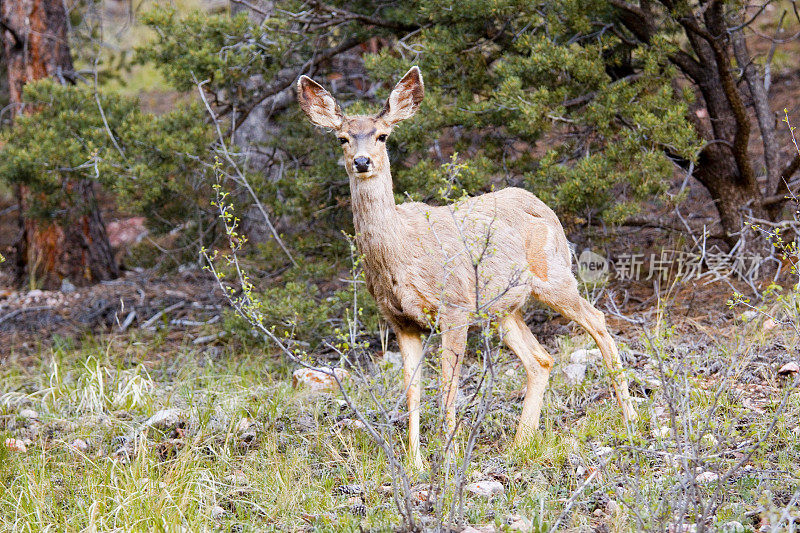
<point x="74" y="245"/>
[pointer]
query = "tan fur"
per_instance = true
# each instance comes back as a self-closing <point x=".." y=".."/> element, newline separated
<point x="419" y="261"/>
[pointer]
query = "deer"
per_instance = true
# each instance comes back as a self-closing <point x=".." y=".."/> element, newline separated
<point x="418" y="262"/>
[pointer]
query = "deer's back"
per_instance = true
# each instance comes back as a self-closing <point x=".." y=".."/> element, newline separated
<point x="490" y="250"/>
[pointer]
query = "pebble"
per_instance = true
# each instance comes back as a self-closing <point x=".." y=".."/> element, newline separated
<point x="351" y="423"/>
<point x="488" y="528"/>
<point x="165" y="419"/>
<point x="519" y="523"/>
<point x="217" y="512"/>
<point x="574" y="373"/>
<point x="768" y="325"/>
<point x="613" y="507"/>
<point x="749" y="315"/>
<point x="732" y="527"/>
<point x="318" y="380"/>
<point x="28" y="413"/>
<point x="80" y="445"/>
<point x="16" y="445"/>
<point x="393" y="360"/>
<point x="709" y="440"/>
<point x="485" y="489"/>
<point x="243" y="425"/>
<point x="584" y="356"/>
<point x="789" y="368"/>
<point x="707" y="477"/>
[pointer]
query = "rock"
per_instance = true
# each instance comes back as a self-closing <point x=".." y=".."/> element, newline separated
<point x="707" y="477"/>
<point x="488" y="528"/>
<point x="217" y="512"/>
<point x="318" y="380"/>
<point x="244" y="425"/>
<point x="16" y="445"/>
<point x="768" y="325"/>
<point x="732" y="527"/>
<point x="66" y="286"/>
<point x="28" y="413"/>
<point x="351" y="423"/>
<point x="613" y="507"/>
<point x="602" y="451"/>
<point x="789" y="368"/>
<point x="583" y="356"/>
<point x="682" y="528"/>
<point x="709" y="440"/>
<point x="574" y="373"/>
<point x="165" y="420"/>
<point x="749" y="315"/>
<point x="485" y="489"/>
<point x="79" y="445"/>
<point x="393" y="360"/>
<point x="519" y="523"/>
<point x="420" y="492"/>
<point x="663" y="431"/>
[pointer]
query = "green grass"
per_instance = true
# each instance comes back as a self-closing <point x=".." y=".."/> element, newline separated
<point x="210" y="475"/>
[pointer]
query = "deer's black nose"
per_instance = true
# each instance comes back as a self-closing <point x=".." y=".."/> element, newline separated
<point x="361" y="164"/>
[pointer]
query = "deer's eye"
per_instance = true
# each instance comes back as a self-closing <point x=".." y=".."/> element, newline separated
<point x="382" y="137"/>
<point x="342" y="140"/>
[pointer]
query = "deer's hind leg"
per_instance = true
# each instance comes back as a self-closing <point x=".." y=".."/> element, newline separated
<point x="537" y="363"/>
<point x="567" y="300"/>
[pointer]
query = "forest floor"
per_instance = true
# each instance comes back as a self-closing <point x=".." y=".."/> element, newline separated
<point x="142" y="427"/>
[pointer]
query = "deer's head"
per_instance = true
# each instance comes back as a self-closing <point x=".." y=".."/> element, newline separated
<point x="363" y="137"/>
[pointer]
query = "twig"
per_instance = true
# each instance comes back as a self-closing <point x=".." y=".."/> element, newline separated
<point x="127" y="322"/>
<point x="209" y="338"/>
<point x="190" y="323"/>
<point x="12" y="314"/>
<point x="161" y="313"/>
<point x="574" y="497"/>
<point x="242" y="178"/>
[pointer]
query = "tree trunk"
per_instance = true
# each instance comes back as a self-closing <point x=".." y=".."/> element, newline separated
<point x="735" y="198"/>
<point x="74" y="245"/>
<point x="725" y="167"/>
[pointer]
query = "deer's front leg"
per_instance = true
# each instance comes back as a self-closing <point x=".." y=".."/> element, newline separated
<point x="454" y="343"/>
<point x="411" y="351"/>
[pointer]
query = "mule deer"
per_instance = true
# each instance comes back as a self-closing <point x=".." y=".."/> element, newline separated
<point x="418" y="263"/>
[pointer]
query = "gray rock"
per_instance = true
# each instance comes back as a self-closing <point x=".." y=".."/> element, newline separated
<point x="732" y="527"/>
<point x="66" y="286"/>
<point x="584" y="356"/>
<point x="574" y="373"/>
<point x="28" y="413"/>
<point x="487" y="488"/>
<point x="217" y="512"/>
<point x="393" y="360"/>
<point x="79" y="445"/>
<point x="165" y="420"/>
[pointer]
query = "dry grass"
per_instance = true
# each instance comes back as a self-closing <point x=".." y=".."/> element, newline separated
<point x="251" y="453"/>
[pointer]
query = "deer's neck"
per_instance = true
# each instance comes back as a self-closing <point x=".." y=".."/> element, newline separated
<point x="377" y="224"/>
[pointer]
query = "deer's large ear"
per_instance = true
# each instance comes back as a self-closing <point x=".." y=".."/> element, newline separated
<point x="405" y="98"/>
<point x="318" y="104"/>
